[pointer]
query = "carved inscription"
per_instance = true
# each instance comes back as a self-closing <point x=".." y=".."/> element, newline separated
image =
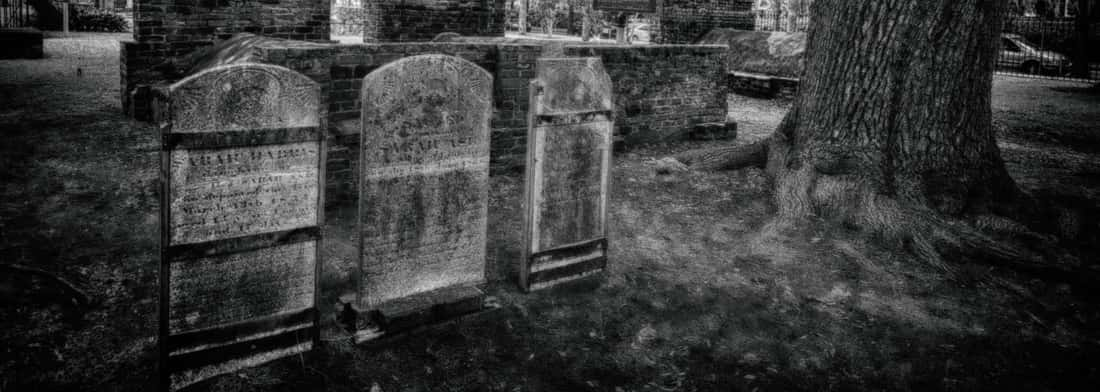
<point x="572" y="186"/>
<point x="240" y="198"/>
<point x="218" y="290"/>
<point x="232" y="192"/>
<point x="424" y="177"/>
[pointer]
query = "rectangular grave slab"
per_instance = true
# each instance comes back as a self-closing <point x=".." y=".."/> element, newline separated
<point x="242" y="171"/>
<point x="568" y="159"/>
<point x="423" y="191"/>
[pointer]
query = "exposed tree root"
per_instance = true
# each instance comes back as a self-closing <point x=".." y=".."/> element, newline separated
<point x="727" y="158"/>
<point x="937" y="240"/>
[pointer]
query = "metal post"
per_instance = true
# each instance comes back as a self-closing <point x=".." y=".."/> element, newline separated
<point x="621" y="22"/>
<point x="65" y="17"/>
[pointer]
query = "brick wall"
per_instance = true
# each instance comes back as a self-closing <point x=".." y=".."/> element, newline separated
<point x="170" y="28"/>
<point x="685" y="21"/>
<point x="515" y="70"/>
<point x="662" y="91"/>
<point x="421" y="20"/>
<point x="340" y="70"/>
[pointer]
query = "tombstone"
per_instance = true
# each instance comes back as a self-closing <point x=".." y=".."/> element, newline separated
<point x="423" y="192"/>
<point x="242" y="171"/>
<point x="568" y="158"/>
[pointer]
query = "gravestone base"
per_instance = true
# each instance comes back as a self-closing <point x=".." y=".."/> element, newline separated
<point x="423" y="310"/>
<point x="566" y="263"/>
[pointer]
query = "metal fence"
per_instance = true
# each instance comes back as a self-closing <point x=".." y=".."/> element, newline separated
<point x="772" y="20"/>
<point x="1051" y="48"/>
<point x="16" y="13"/>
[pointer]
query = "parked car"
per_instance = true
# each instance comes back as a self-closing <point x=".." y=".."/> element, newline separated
<point x="1018" y="53"/>
<point x="639" y="33"/>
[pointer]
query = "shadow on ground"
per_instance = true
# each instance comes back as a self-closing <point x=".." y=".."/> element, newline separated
<point x="701" y="294"/>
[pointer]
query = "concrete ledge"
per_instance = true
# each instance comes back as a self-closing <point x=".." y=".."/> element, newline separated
<point x="409" y="314"/>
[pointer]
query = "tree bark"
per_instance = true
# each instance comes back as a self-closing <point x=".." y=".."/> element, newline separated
<point x="896" y="101"/>
<point x="892" y="130"/>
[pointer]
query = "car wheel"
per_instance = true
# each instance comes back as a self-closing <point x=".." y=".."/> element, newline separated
<point x="1031" y="68"/>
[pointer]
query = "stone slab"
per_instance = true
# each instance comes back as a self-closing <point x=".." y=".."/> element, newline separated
<point x="233" y="192"/>
<point x="423" y="309"/>
<point x="569" y="158"/>
<point x="424" y="178"/>
<point x="242" y="174"/>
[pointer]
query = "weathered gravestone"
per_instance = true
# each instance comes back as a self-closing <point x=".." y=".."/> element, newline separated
<point x="241" y="172"/>
<point x="423" y="191"/>
<point x="568" y="158"/>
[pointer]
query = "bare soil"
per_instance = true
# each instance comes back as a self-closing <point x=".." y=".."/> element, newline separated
<point x="701" y="294"/>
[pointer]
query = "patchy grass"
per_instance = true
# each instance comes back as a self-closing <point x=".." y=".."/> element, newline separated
<point x="701" y="294"/>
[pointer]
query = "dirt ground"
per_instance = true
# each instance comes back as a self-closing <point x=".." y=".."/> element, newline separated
<point x="701" y="294"/>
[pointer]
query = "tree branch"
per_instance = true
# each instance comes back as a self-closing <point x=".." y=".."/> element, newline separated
<point x="78" y="295"/>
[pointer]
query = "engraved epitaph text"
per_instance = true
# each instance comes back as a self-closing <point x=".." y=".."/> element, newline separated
<point x="241" y="166"/>
<point x="424" y="177"/>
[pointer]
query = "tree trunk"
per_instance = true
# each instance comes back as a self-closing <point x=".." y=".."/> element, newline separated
<point x="895" y="100"/>
<point x="892" y="130"/>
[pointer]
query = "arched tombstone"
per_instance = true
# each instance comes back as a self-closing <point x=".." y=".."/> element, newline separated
<point x="423" y="184"/>
<point x="242" y="171"/>
<point x="568" y="160"/>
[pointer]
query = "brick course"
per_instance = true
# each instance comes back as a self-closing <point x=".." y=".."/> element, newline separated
<point x="661" y="91"/>
<point x="422" y="20"/>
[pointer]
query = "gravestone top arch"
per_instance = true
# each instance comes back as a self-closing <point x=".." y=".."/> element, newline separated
<point x="240" y="97"/>
<point x="572" y="85"/>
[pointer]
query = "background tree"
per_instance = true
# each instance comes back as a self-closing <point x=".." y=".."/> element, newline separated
<point x="892" y="131"/>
